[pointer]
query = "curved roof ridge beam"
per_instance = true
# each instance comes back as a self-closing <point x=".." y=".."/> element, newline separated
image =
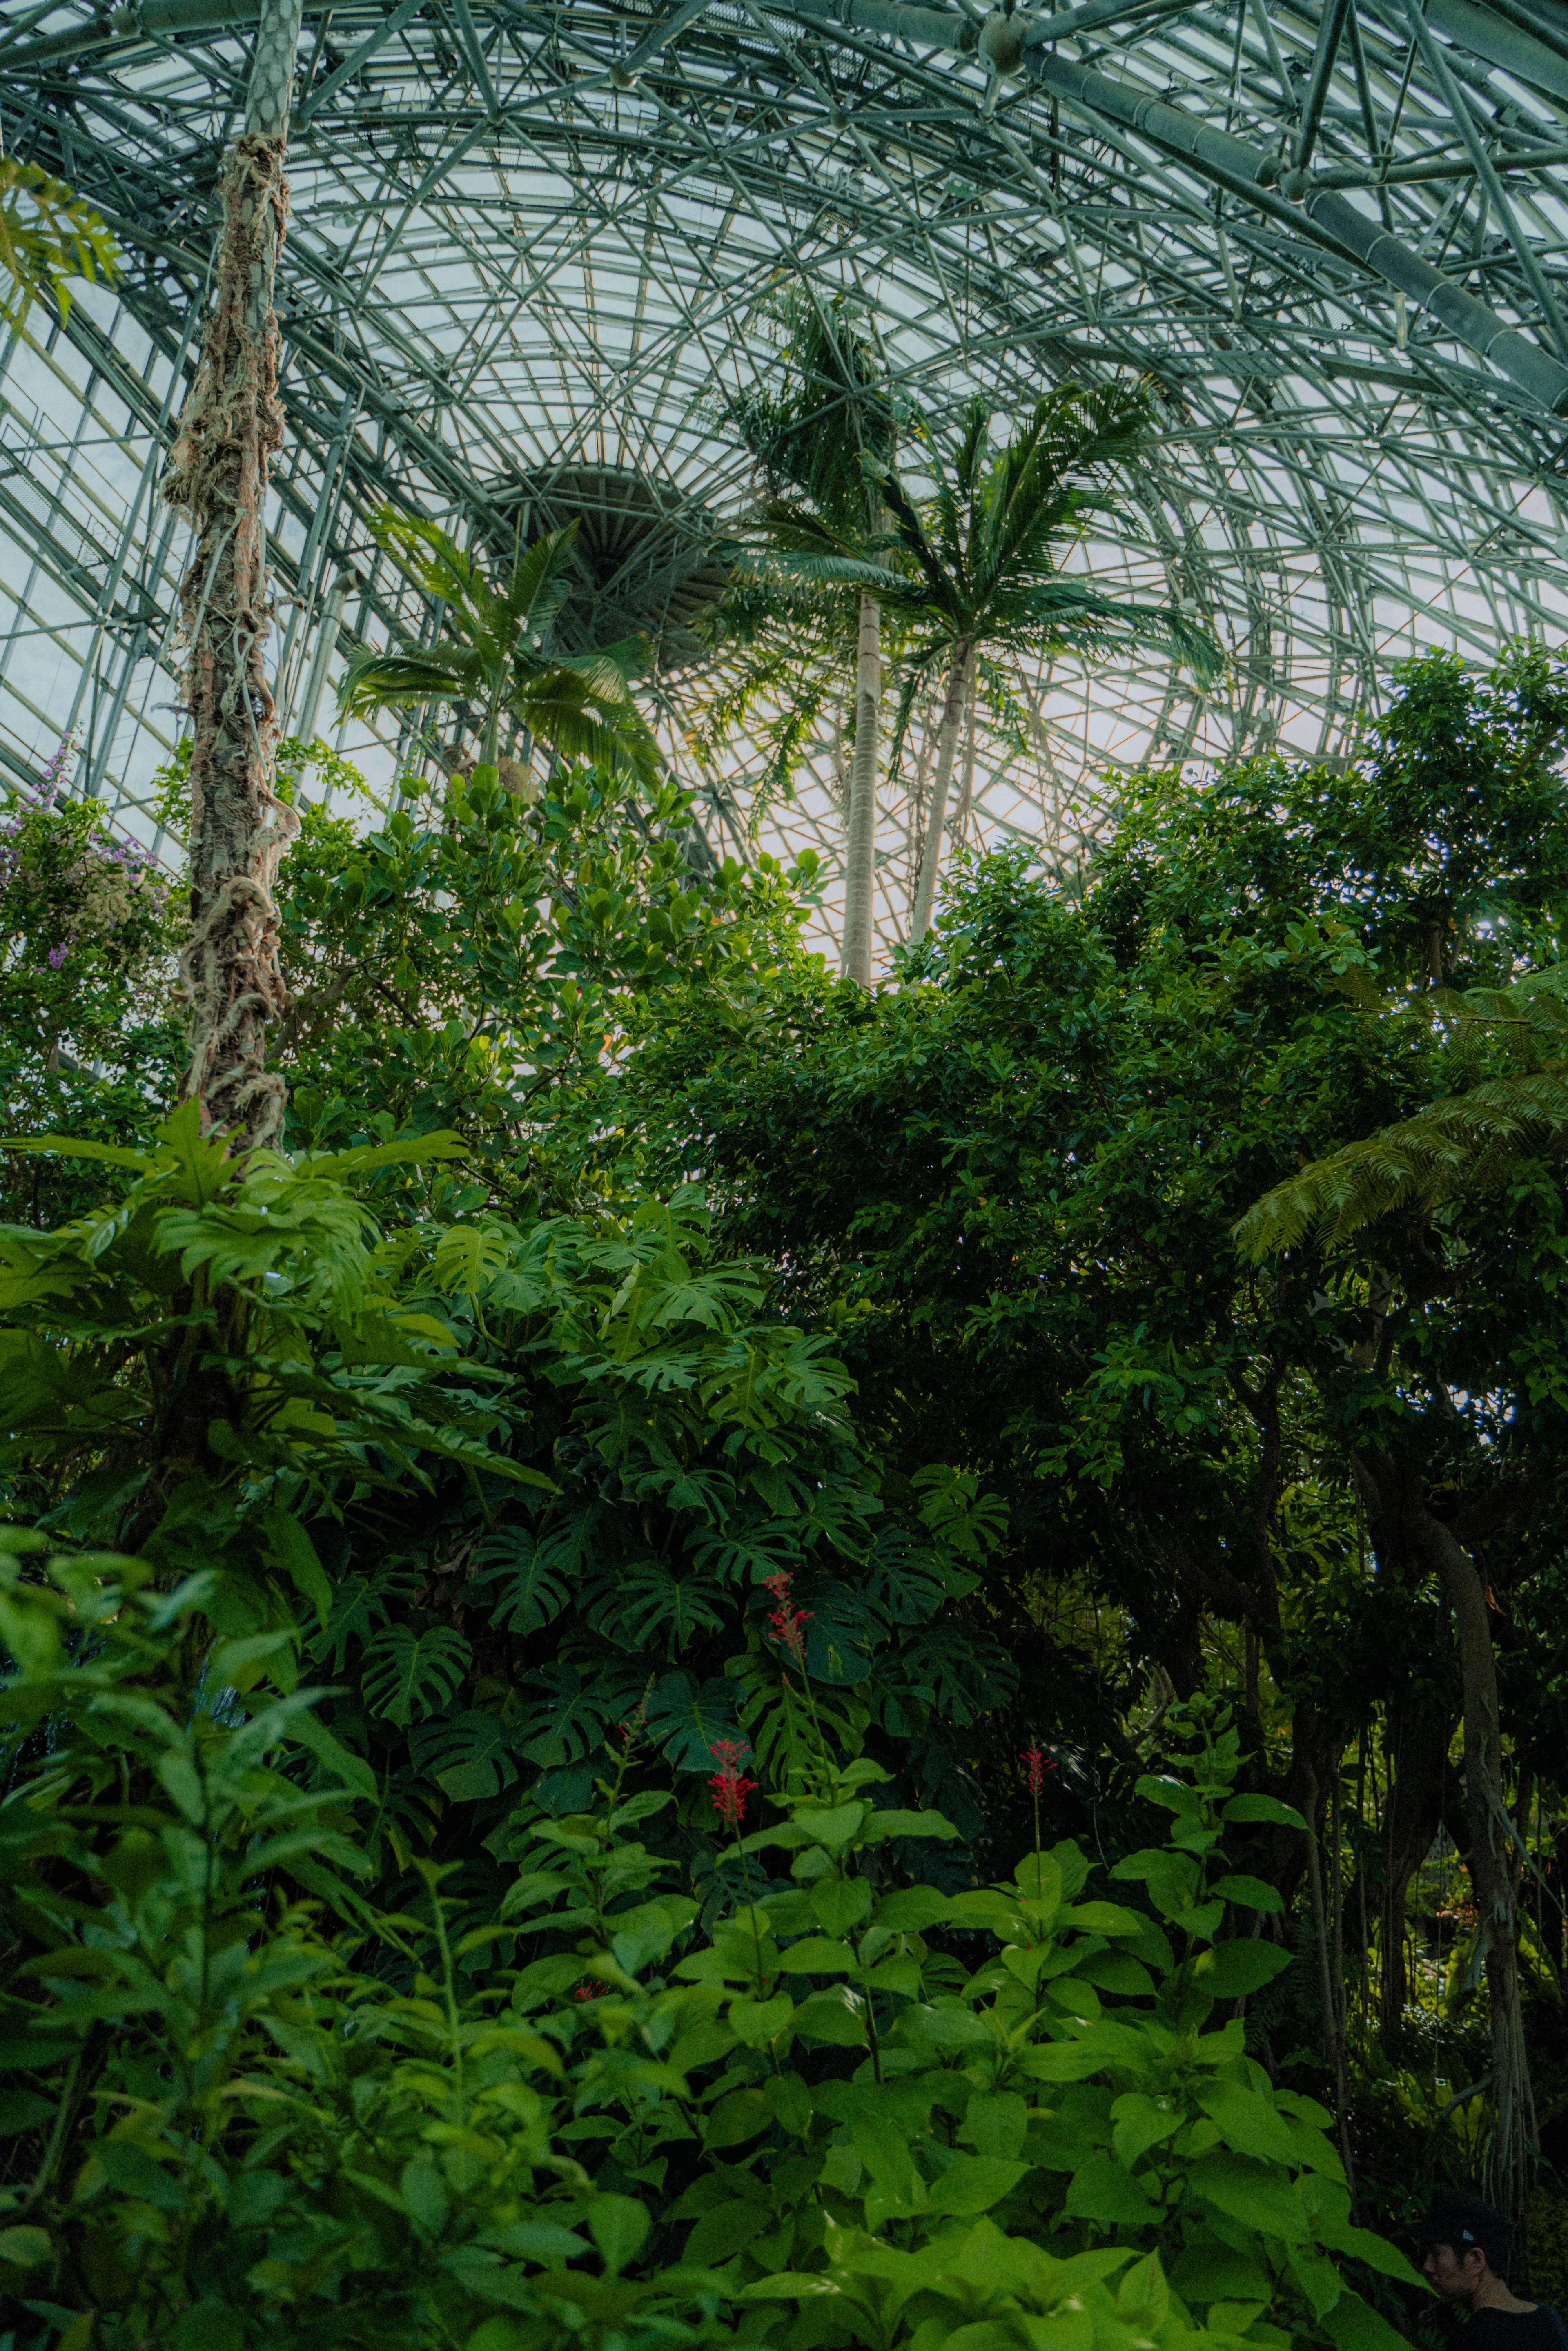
<point x="1239" y="168"/>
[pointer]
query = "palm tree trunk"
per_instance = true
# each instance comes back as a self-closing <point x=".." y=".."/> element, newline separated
<point x="966" y="790"/>
<point x="946" y="745"/>
<point x="860" y="878"/>
<point x="231" y="425"/>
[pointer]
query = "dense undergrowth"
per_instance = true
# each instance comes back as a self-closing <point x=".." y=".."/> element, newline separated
<point x="838" y="2109"/>
<point x="593" y="1759"/>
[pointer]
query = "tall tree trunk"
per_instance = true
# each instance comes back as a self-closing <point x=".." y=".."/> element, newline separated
<point x="1510" y="2163"/>
<point x="1396" y="1502"/>
<point x="1416" y="1742"/>
<point x="218" y="472"/>
<point x="946" y="745"/>
<point x="860" y="877"/>
<point x="966" y="789"/>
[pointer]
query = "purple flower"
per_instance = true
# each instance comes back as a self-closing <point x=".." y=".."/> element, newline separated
<point x="58" y="767"/>
<point x="57" y="954"/>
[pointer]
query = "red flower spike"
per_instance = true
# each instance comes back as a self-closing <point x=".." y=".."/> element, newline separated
<point x="1034" y="1757"/>
<point x="588" y="1988"/>
<point x="784" y="1621"/>
<point x="729" y="1789"/>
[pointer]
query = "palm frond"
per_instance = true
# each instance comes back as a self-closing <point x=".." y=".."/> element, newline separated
<point x="430" y="556"/>
<point x="393" y="681"/>
<point x="831" y="410"/>
<point x="540" y="583"/>
<point x="48" y="234"/>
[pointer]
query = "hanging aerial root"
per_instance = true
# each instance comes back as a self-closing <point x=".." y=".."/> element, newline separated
<point x="231" y="426"/>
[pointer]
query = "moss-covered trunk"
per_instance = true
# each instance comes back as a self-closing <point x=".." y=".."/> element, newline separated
<point x="218" y="472"/>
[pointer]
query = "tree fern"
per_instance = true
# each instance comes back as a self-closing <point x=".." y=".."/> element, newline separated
<point x="1468" y="1143"/>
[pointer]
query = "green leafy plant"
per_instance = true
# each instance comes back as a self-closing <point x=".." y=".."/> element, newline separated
<point x="498" y="661"/>
<point x="854" y="2113"/>
<point x="48" y="234"/>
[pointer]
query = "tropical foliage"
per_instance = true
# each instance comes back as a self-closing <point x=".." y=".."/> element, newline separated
<point x="495" y="662"/>
<point x="600" y="1638"/>
<point x="48" y="234"/>
<point x="589" y="2116"/>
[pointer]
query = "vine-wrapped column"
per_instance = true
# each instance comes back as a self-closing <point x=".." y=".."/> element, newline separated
<point x="218" y="472"/>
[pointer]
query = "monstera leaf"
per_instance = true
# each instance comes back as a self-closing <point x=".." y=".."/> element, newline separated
<point x="685" y="1719"/>
<point x="528" y="1577"/>
<point x="408" y="1676"/>
<point x="841" y="1632"/>
<point x="645" y="1605"/>
<point x="468" y="1755"/>
<point x="568" y="1721"/>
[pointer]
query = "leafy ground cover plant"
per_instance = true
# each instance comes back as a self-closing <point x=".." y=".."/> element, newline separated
<point x="855" y="2112"/>
<point x="528" y="1478"/>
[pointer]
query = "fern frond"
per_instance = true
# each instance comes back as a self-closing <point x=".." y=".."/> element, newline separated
<point x="1468" y="1144"/>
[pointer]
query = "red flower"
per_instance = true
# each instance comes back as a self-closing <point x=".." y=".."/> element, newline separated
<point x="1038" y="1767"/>
<point x="588" y="1988"/>
<point x="729" y="1789"/>
<point x="784" y="1622"/>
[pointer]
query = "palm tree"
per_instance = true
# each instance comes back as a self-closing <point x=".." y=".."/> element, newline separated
<point x="820" y="438"/>
<point x="981" y="573"/>
<point x="496" y="659"/>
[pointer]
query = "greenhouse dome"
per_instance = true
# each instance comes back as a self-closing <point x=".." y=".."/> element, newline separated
<point x="532" y="246"/>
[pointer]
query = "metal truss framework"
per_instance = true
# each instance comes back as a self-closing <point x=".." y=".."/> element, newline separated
<point x="532" y="240"/>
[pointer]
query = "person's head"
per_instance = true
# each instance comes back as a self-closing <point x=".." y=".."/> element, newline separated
<point x="1464" y="2244"/>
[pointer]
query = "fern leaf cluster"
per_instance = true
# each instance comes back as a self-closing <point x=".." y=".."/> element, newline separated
<point x="1465" y="1144"/>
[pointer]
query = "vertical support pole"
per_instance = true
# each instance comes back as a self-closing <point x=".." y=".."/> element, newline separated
<point x="325" y="647"/>
<point x="232" y="425"/>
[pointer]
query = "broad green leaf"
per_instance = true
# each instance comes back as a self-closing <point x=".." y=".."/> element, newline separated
<point x="1264" y="1810"/>
<point x="840" y="1903"/>
<point x="1248" y="2120"/>
<point x="994" y="2124"/>
<point x="834" y="1828"/>
<point x="817" y="1955"/>
<point x="837" y="2017"/>
<point x="973" y="2183"/>
<point x="1141" y="2124"/>
<point x="1229" y="1969"/>
<point x="1213" y="2271"/>
<point x="740" y="2115"/>
<point x="1101" y="2190"/>
<point x="1249" y="1892"/>
<point x="1352" y="2325"/>
<point x="727" y="2229"/>
<point x="1251" y="2192"/>
<point x="756" y="2023"/>
<point x="24" y="2248"/>
<point x="133" y="2172"/>
<point x="1317" y="2279"/>
<point x="619" y="2226"/>
<point x="425" y="2194"/>
<point x="67" y="1147"/>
